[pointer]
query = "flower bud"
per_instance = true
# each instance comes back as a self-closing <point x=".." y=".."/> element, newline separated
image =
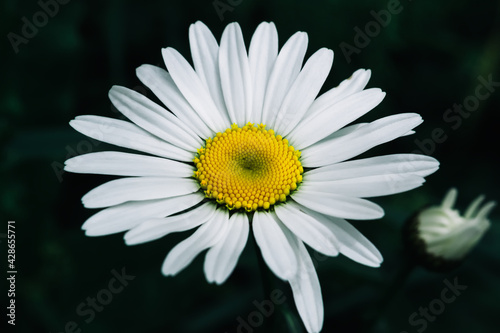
<point x="439" y="237"/>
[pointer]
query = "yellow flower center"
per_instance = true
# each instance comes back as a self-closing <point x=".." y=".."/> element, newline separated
<point x="248" y="168"/>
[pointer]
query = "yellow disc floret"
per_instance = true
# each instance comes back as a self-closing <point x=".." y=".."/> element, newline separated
<point x="248" y="168"/>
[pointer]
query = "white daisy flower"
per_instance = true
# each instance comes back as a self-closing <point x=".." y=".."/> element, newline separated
<point x="448" y="235"/>
<point x="246" y="143"/>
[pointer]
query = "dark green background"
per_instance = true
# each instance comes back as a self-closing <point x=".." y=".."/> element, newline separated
<point x="428" y="58"/>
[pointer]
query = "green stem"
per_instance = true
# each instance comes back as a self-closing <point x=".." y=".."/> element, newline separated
<point x="389" y="295"/>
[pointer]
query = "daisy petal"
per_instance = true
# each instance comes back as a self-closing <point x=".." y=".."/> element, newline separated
<point x="307" y="290"/>
<point x="204" y="237"/>
<point x="366" y="137"/>
<point x="125" y="134"/>
<point x="303" y="91"/>
<point x="285" y="71"/>
<point x="352" y="243"/>
<point x="130" y="214"/>
<point x="205" y="54"/>
<point x="262" y="55"/>
<point x="194" y="90"/>
<point x="356" y="83"/>
<point x="155" y="228"/>
<point x="450" y="198"/>
<point x="355" y="246"/>
<point x="153" y="118"/>
<point x="274" y="245"/>
<point x="485" y="210"/>
<point x="126" y="164"/>
<point x="403" y="164"/>
<point x="344" y="131"/>
<point x="161" y="84"/>
<point x="221" y="259"/>
<point x="366" y="187"/>
<point x="352" y="85"/>
<point x="138" y="188"/>
<point x="473" y="207"/>
<point x="409" y="133"/>
<point x="351" y="128"/>
<point x="336" y="116"/>
<point x="307" y="229"/>
<point x="337" y="205"/>
<point x="235" y="75"/>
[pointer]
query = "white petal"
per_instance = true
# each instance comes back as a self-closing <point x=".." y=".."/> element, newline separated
<point x="409" y="133"/>
<point x="194" y="90"/>
<point x="155" y="227"/>
<point x="344" y="131"/>
<point x="262" y="55"/>
<point x="337" y="205"/>
<point x="125" y="164"/>
<point x="357" y="82"/>
<point x="221" y="259"/>
<point x="485" y="210"/>
<point x="336" y="116"/>
<point x="360" y="140"/>
<point x="303" y="91"/>
<point x="138" y="188"/>
<point x="450" y="198"/>
<point x="274" y="245"/>
<point x="153" y="118"/>
<point x="307" y="290"/>
<point x="309" y="230"/>
<point x="473" y="207"/>
<point x="437" y="220"/>
<point x="285" y="71"/>
<point x="205" y="54"/>
<point x="352" y="85"/>
<point x="125" y="134"/>
<point x="235" y="75"/>
<point x="352" y="243"/>
<point x="366" y="187"/>
<point x="404" y="164"/>
<point x="161" y="84"/>
<point x="206" y="236"/>
<point x="130" y="214"/>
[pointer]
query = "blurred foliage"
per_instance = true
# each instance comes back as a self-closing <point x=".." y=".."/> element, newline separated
<point x="428" y="58"/>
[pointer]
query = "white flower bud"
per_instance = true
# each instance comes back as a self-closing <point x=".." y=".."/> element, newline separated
<point x="449" y="235"/>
